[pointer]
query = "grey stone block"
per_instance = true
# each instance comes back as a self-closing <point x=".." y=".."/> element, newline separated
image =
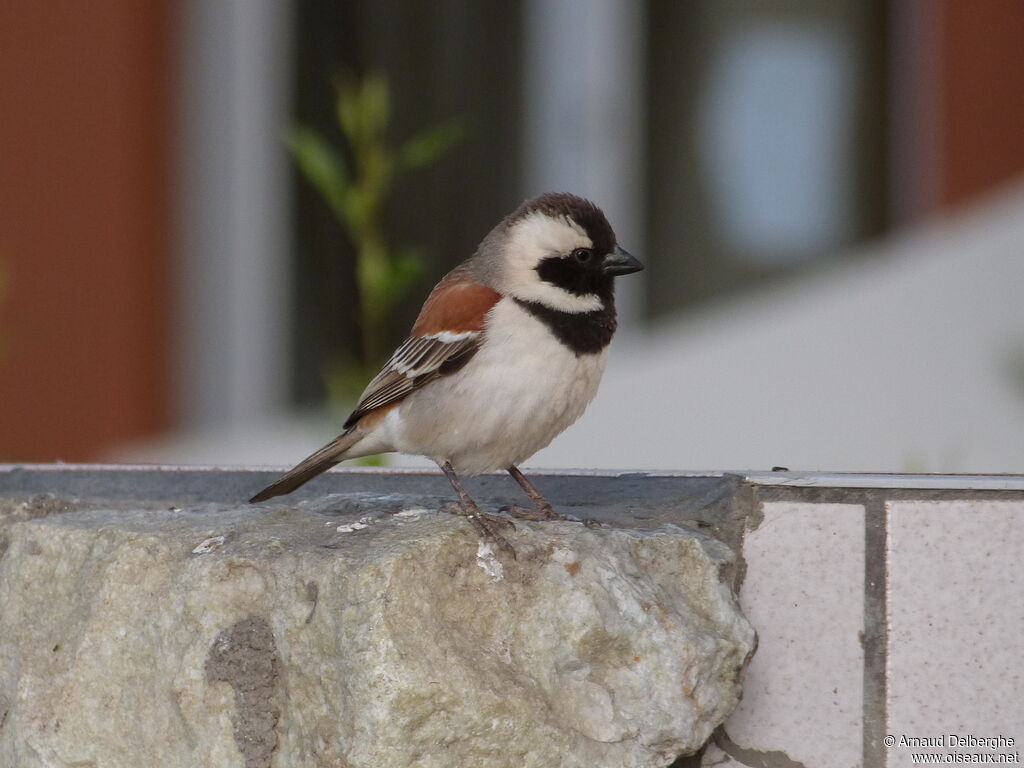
<point x="355" y="630"/>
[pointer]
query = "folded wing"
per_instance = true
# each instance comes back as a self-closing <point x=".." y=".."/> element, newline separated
<point x="446" y="335"/>
<point x="419" y="360"/>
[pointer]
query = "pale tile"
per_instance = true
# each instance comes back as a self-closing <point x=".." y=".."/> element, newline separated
<point x="804" y="594"/>
<point x="956" y="621"/>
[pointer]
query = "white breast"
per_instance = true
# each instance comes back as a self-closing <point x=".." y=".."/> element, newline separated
<point x="517" y="393"/>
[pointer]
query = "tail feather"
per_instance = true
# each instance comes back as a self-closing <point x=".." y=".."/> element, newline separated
<point x="310" y="467"/>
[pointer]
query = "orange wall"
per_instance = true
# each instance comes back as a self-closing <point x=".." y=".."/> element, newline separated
<point x="84" y="223"/>
<point x="981" y="95"/>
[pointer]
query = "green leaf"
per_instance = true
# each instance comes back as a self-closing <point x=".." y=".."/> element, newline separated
<point x="364" y="109"/>
<point x="376" y="104"/>
<point x="322" y="166"/>
<point x="430" y="145"/>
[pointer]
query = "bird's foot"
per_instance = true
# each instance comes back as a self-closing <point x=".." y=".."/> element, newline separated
<point x="488" y="526"/>
<point x="542" y="511"/>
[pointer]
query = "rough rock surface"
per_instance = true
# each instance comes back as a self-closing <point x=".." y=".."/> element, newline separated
<point x="350" y="633"/>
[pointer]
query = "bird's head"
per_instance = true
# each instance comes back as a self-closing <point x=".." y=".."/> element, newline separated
<point x="560" y="251"/>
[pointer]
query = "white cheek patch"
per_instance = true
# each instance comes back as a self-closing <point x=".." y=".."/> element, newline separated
<point x="559" y="298"/>
<point x="539" y="236"/>
<point x="533" y="239"/>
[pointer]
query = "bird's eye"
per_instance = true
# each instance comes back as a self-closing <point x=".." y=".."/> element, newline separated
<point x="582" y="255"/>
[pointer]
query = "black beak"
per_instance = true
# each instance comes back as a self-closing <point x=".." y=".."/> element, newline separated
<point x="621" y="262"/>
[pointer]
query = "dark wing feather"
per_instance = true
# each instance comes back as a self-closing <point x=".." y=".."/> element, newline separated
<point x="446" y="334"/>
<point x="419" y="360"/>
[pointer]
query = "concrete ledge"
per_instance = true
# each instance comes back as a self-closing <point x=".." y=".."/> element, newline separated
<point x="609" y="496"/>
<point x="144" y="625"/>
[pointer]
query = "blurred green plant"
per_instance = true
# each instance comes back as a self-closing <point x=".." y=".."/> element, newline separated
<point x="356" y="181"/>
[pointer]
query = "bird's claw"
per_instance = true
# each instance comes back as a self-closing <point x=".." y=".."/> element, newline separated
<point x="499" y="520"/>
<point x="540" y="512"/>
<point x="487" y="525"/>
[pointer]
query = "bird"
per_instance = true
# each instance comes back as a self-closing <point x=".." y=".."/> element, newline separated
<point x="506" y="353"/>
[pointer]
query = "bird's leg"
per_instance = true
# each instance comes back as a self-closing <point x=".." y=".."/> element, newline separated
<point x="486" y="524"/>
<point x="542" y="510"/>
